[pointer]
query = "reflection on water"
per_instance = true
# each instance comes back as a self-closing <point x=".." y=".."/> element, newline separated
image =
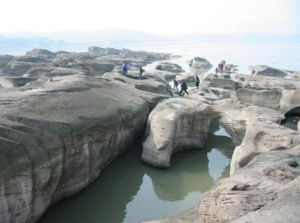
<point x="129" y="191"/>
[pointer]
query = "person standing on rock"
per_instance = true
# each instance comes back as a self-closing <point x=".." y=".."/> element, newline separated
<point x="175" y="84"/>
<point x="183" y="88"/>
<point x="125" y="68"/>
<point x="141" y="72"/>
<point x="197" y="81"/>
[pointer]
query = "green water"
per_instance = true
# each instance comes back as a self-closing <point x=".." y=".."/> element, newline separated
<point x="297" y="158"/>
<point x="129" y="191"/>
<point x="291" y="122"/>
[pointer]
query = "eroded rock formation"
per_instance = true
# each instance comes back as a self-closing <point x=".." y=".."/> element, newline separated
<point x="174" y="125"/>
<point x="61" y="127"/>
<point x="264" y="185"/>
<point x="199" y="65"/>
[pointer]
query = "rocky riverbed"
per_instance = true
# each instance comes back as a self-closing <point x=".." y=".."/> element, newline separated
<point x="65" y="116"/>
<point x="264" y="185"/>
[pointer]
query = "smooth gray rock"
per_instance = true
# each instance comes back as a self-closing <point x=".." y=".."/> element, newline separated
<point x="89" y="66"/>
<point x="50" y="71"/>
<point x="11" y="82"/>
<point x="18" y="68"/>
<point x="269" y="98"/>
<point x="199" y="65"/>
<point x="224" y="83"/>
<point x="4" y="59"/>
<point x="262" y="70"/>
<point x="96" y="50"/>
<point x="174" y="125"/>
<point x="158" y="74"/>
<point x="266" y="190"/>
<point x="265" y="82"/>
<point x="41" y="53"/>
<point x="290" y="102"/>
<point x="170" y="67"/>
<point x="57" y="137"/>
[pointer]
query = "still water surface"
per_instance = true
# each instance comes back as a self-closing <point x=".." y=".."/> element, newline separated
<point x="128" y="190"/>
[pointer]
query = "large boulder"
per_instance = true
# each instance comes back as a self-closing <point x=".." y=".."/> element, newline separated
<point x="290" y="102"/>
<point x="56" y="139"/>
<point x="269" y="98"/>
<point x="265" y="82"/>
<point x="18" y="68"/>
<point x="234" y="119"/>
<point x="263" y="133"/>
<point x="112" y="51"/>
<point x="224" y="83"/>
<point x="41" y="53"/>
<point x="153" y="90"/>
<point x="170" y="67"/>
<point x="4" y="59"/>
<point x="90" y="67"/>
<point x="165" y="75"/>
<point x="271" y="92"/>
<point x="11" y="82"/>
<point x="50" y="71"/>
<point x="174" y="125"/>
<point x="199" y="65"/>
<point x="262" y="70"/>
<point x="266" y="190"/>
<point x="96" y="50"/>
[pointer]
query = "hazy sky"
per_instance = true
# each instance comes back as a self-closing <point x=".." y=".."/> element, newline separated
<point x="164" y="17"/>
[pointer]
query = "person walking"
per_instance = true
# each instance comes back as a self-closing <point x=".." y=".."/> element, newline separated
<point x="197" y="81"/>
<point x="141" y="72"/>
<point x="183" y="88"/>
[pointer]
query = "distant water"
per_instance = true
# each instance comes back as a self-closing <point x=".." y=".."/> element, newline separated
<point x="284" y="55"/>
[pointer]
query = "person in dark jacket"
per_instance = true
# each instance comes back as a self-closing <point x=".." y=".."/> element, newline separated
<point x="141" y="72"/>
<point x="197" y="81"/>
<point x="183" y="88"/>
<point x="175" y="84"/>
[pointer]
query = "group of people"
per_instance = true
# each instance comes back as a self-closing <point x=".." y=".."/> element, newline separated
<point x="225" y="68"/>
<point x="183" y="85"/>
<point x="125" y="68"/>
<point x="221" y="66"/>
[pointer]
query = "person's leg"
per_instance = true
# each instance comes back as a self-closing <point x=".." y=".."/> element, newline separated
<point x="186" y="92"/>
<point x="180" y="93"/>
